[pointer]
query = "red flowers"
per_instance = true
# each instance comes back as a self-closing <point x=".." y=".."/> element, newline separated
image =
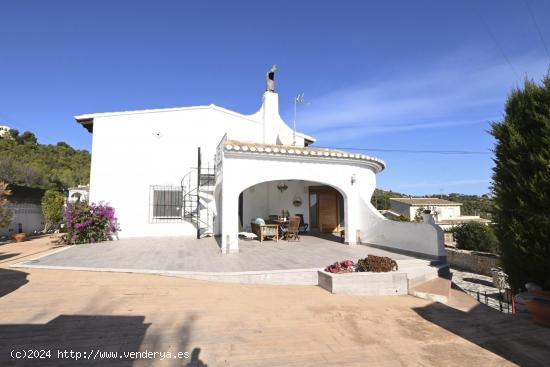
<point x="346" y="266"/>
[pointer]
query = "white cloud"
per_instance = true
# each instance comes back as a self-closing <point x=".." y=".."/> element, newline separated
<point x="452" y="93"/>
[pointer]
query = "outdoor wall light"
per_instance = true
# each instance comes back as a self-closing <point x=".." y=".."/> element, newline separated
<point x="353" y="179"/>
<point x="282" y="187"/>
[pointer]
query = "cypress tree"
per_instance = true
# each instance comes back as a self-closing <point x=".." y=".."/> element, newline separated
<point x="521" y="184"/>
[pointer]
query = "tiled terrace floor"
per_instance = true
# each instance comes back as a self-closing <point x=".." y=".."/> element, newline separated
<point x="190" y="254"/>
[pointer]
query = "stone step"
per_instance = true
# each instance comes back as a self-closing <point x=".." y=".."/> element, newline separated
<point x="436" y="290"/>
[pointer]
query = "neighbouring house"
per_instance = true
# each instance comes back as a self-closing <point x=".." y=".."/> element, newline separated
<point x="25" y="203"/>
<point x="207" y="170"/>
<point x="78" y="194"/>
<point x="4" y="131"/>
<point x="446" y="213"/>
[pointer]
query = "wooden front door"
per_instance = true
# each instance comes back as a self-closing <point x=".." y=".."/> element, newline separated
<point x="328" y="211"/>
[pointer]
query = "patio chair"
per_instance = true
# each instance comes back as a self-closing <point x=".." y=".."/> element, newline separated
<point x="273" y="218"/>
<point x="293" y="228"/>
<point x="303" y="226"/>
<point x="265" y="231"/>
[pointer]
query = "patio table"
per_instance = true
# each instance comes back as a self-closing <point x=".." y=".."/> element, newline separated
<point x="280" y="223"/>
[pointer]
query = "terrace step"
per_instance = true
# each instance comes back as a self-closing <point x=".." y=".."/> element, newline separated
<point x="436" y="290"/>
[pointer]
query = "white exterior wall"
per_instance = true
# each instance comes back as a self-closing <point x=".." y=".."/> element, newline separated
<point x="447" y="211"/>
<point x="132" y="151"/>
<point x="409" y="211"/>
<point x="444" y="211"/>
<point x="28" y="214"/>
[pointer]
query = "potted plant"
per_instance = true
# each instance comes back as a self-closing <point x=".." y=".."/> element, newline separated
<point x="297" y="202"/>
<point x="539" y="307"/>
<point x="20" y="237"/>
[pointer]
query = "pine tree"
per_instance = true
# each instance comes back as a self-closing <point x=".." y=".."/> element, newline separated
<point x="521" y="184"/>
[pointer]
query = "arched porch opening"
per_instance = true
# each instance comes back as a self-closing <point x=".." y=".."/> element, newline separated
<point x="322" y="206"/>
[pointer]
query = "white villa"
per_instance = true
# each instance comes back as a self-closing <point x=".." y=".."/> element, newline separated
<point x="78" y="193"/>
<point x="446" y="213"/>
<point x="4" y="130"/>
<point x="207" y="170"/>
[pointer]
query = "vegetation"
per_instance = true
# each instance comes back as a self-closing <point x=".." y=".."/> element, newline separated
<point x="52" y="208"/>
<point x="346" y="266"/>
<point x="5" y="213"/>
<point x="89" y="223"/>
<point x="400" y="218"/>
<point x="376" y="264"/>
<point x="476" y="237"/>
<point x="521" y="185"/>
<point x="418" y="214"/>
<point x="25" y="162"/>
<point x="381" y="198"/>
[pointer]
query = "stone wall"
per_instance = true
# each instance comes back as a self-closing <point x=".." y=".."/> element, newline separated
<point x="475" y="262"/>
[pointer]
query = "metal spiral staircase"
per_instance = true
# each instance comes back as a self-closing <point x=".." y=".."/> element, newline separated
<point x="198" y="192"/>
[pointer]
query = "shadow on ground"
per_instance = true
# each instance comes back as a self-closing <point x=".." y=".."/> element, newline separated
<point x="11" y="280"/>
<point x="75" y="340"/>
<point x="516" y="340"/>
<point x="479" y="281"/>
<point x="7" y="255"/>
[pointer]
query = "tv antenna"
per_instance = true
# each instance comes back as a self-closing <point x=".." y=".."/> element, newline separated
<point x="298" y="100"/>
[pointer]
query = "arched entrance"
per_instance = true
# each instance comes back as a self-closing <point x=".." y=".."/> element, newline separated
<point x="321" y="206"/>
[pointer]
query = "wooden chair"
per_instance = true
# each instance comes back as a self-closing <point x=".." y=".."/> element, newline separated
<point x="303" y="226"/>
<point x="293" y="228"/>
<point x="265" y="231"/>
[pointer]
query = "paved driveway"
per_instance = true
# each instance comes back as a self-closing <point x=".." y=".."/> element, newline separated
<point x="236" y="325"/>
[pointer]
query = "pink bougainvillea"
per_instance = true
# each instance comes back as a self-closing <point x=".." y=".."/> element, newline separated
<point x="346" y="266"/>
<point x="88" y="223"/>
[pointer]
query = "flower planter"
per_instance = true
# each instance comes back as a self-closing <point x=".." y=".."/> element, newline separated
<point x="539" y="307"/>
<point x="365" y="283"/>
<point x="20" y="237"/>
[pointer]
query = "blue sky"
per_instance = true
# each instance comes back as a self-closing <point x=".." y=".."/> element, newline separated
<point x="422" y="75"/>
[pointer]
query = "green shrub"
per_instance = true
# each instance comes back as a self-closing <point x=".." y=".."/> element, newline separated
<point x="52" y="208"/>
<point x="521" y="185"/>
<point x="476" y="237"/>
<point x="400" y="218"/>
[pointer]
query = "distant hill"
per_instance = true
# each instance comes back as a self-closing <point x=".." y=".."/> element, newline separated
<point x="25" y="162"/>
<point x="471" y="204"/>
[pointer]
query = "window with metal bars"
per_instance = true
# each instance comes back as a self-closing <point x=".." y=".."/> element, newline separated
<point x="166" y="204"/>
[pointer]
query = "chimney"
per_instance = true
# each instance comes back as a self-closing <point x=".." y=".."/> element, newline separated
<point x="270" y="116"/>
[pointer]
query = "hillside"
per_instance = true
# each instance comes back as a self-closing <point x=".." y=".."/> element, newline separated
<point x="23" y="161"/>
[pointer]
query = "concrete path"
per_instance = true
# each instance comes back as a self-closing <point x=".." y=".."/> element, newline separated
<point x="234" y="325"/>
<point x="190" y="254"/>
